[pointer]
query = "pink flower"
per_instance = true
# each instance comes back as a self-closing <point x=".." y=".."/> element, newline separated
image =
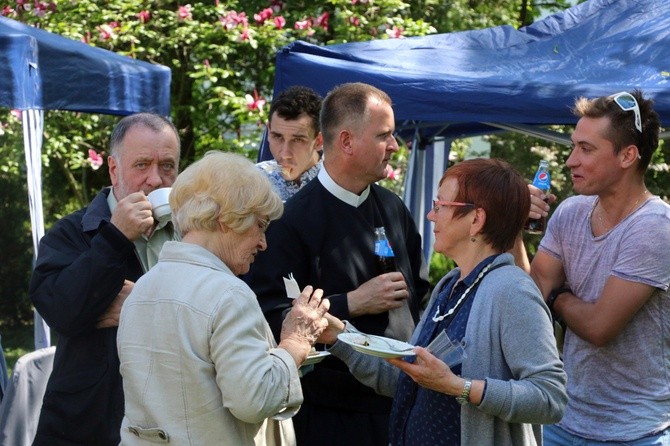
<point x="95" y="159"/>
<point x="245" y="34"/>
<point x="303" y="24"/>
<point x="7" y="11"/>
<point x="107" y="31"/>
<point x="322" y="20"/>
<point x="144" y="16"/>
<point x="355" y="21"/>
<point x="242" y="19"/>
<point x="255" y="102"/>
<point x="395" y="32"/>
<point x="17" y="114"/>
<point x="232" y="19"/>
<point x="262" y="16"/>
<point x="280" y="22"/>
<point x="184" y="13"/>
<point x="277" y="5"/>
<point x="391" y="173"/>
<point x="40" y="9"/>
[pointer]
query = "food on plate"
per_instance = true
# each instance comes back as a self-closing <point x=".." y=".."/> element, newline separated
<point x="361" y="340"/>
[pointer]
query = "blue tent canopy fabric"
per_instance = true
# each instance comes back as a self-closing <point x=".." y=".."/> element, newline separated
<point x="18" y="78"/>
<point x="44" y="71"/>
<point x="448" y="86"/>
<point x="526" y="76"/>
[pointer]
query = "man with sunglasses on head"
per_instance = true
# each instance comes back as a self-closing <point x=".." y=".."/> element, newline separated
<point x="604" y="268"/>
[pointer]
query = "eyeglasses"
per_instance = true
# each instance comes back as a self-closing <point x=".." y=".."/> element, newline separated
<point x="438" y="203"/>
<point x="627" y="102"/>
<point x="263" y="224"/>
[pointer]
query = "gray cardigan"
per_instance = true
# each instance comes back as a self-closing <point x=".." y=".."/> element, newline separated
<point x="509" y="343"/>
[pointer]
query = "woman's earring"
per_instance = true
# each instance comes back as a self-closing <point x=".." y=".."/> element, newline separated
<point x="472" y="239"/>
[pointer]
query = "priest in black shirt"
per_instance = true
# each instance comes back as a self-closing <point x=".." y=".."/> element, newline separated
<point x="326" y="239"/>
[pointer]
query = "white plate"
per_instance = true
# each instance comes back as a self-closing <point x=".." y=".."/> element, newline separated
<point x="315" y="358"/>
<point x="377" y="345"/>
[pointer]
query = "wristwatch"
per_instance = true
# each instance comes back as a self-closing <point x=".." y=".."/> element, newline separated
<point x="464" y="398"/>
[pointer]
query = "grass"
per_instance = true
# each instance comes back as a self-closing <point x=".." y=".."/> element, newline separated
<point x="16" y="342"/>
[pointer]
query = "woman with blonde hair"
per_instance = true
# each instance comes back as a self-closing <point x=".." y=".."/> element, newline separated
<point x="198" y="360"/>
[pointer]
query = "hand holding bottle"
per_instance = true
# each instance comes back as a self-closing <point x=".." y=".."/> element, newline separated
<point x="541" y="182"/>
<point x="539" y="202"/>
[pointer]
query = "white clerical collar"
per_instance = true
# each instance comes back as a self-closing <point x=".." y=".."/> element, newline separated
<point x="341" y="193"/>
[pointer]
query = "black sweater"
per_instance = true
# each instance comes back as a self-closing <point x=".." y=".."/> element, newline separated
<point x="329" y="244"/>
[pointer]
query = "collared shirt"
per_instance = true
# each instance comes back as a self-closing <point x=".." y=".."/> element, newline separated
<point x="148" y="248"/>
<point x="348" y="197"/>
<point x="287" y="188"/>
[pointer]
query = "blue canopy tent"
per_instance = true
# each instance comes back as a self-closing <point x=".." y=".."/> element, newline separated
<point x="44" y="71"/>
<point x="449" y="86"/>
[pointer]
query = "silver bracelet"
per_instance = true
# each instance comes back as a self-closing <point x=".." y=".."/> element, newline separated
<point x="464" y="398"/>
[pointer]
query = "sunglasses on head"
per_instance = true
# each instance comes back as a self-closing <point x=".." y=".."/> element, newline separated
<point x="627" y="102"/>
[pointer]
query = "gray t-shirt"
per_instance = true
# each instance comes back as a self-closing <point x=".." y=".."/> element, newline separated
<point x="620" y="391"/>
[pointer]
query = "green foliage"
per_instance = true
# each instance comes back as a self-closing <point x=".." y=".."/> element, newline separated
<point x="17" y="340"/>
<point x="462" y="15"/>
<point x="657" y="178"/>
<point x="439" y="266"/>
<point x="16" y="242"/>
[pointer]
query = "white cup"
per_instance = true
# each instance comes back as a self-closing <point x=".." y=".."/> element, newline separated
<point x="160" y="203"/>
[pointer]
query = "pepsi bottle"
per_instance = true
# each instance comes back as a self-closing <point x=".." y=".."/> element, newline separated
<point x="384" y="256"/>
<point x="542" y="181"/>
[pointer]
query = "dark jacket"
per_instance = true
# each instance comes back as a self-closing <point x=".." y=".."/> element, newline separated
<point x="82" y="263"/>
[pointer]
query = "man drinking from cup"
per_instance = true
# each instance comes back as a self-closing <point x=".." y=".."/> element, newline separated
<point x="87" y="265"/>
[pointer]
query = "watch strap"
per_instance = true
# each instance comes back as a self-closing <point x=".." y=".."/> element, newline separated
<point x="464" y="397"/>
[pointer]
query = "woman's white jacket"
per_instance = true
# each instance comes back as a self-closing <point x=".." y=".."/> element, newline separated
<point x="198" y="360"/>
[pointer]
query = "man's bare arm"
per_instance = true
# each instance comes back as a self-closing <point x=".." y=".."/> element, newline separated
<point x="601" y="321"/>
